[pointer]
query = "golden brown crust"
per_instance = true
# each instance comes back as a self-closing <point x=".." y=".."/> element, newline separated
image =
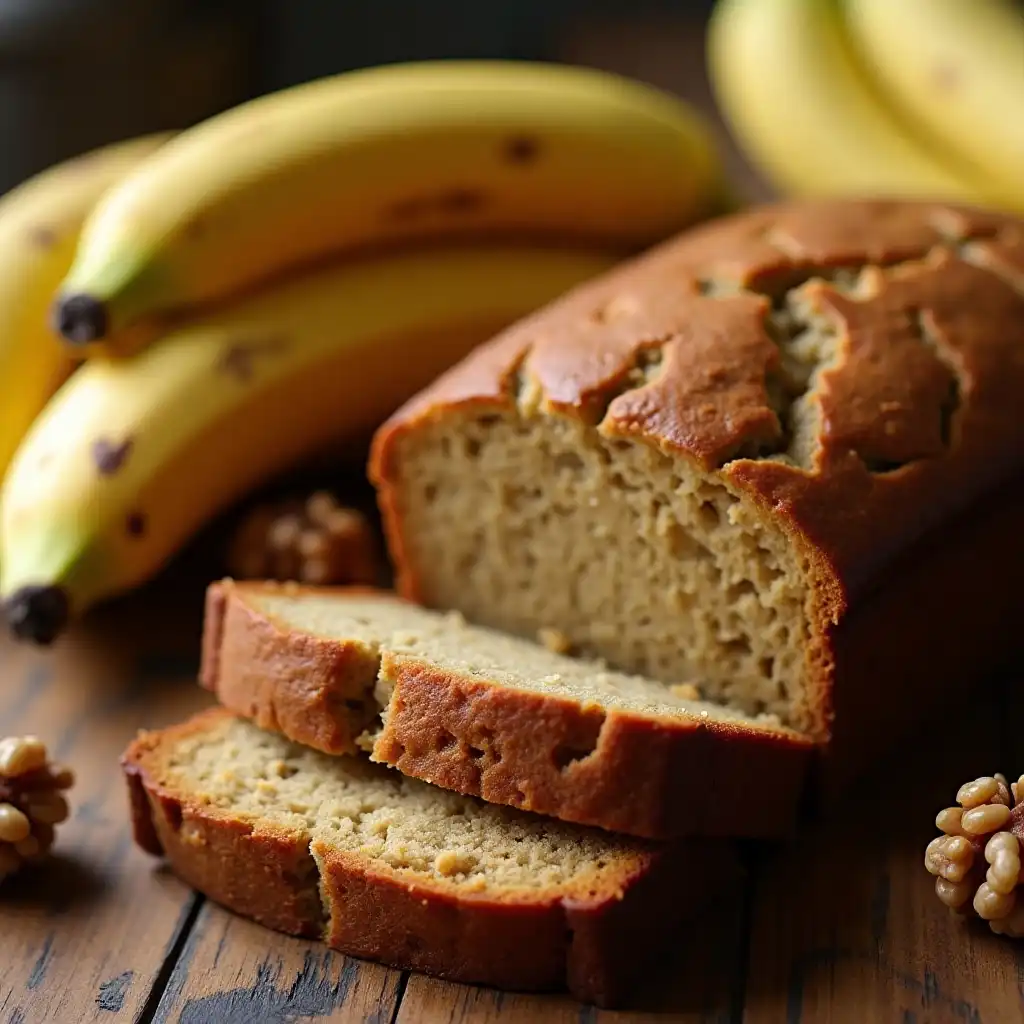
<point x="916" y="418"/>
<point x="623" y="771"/>
<point x="310" y="689"/>
<point x="208" y="848"/>
<point x="594" y="944"/>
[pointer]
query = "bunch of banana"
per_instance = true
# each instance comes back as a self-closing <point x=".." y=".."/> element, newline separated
<point x="40" y="222"/>
<point x="915" y="98"/>
<point x="283" y="276"/>
<point x="386" y="155"/>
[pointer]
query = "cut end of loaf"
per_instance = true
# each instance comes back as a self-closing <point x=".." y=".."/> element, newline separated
<point x="635" y="556"/>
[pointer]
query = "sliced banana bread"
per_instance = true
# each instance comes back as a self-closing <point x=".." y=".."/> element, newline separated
<point x="497" y="716"/>
<point x="390" y="869"/>
<point x="707" y="462"/>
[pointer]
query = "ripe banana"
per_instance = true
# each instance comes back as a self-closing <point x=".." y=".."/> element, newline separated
<point x="133" y="455"/>
<point x="957" y="70"/>
<point x="40" y="222"/>
<point x="786" y="79"/>
<point x="405" y="152"/>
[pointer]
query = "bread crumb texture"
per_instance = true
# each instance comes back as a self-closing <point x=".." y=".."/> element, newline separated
<point x="386" y="626"/>
<point x="634" y="556"/>
<point x="382" y="818"/>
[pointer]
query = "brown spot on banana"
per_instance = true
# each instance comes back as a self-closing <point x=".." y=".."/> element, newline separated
<point x="135" y="524"/>
<point x="459" y="200"/>
<point x="239" y="356"/>
<point x="43" y="237"/>
<point x="521" y="150"/>
<point x="110" y="456"/>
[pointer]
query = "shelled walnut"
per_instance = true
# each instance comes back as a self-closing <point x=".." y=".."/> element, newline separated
<point x="554" y="640"/>
<point x="977" y="860"/>
<point x="313" y="541"/>
<point x="32" y="801"/>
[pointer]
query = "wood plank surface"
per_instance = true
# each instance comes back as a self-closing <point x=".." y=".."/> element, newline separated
<point x="234" y="972"/>
<point x="699" y="981"/>
<point x="86" y="934"/>
<point x="847" y="928"/>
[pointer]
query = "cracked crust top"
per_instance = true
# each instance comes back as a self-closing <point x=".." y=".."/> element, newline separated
<point x="854" y="367"/>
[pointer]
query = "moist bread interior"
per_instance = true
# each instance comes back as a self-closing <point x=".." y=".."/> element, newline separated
<point x="381" y="625"/>
<point x="412" y="828"/>
<point x="633" y="554"/>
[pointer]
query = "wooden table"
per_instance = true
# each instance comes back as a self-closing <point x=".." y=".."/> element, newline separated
<point x="841" y="925"/>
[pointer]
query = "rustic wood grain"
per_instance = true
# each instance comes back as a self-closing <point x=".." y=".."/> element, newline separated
<point x="85" y="935"/>
<point x="431" y="1001"/>
<point x="699" y="981"/>
<point x="232" y="971"/>
<point x="847" y="927"/>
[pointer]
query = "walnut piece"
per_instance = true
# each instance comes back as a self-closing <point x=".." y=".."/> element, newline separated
<point x="32" y="801"/>
<point x="688" y="691"/>
<point x="316" y="541"/>
<point x="977" y="860"/>
<point x="554" y="640"/>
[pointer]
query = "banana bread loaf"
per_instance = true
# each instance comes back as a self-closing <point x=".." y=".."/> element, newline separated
<point x="717" y="460"/>
<point x="390" y="869"/>
<point x="496" y="716"/>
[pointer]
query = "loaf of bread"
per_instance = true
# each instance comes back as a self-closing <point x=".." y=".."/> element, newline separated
<point x="390" y="869"/>
<point x="496" y="716"/>
<point x="728" y="460"/>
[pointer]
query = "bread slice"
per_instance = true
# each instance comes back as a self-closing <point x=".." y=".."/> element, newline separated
<point x="496" y="716"/>
<point x="391" y="869"/>
<point x="706" y="461"/>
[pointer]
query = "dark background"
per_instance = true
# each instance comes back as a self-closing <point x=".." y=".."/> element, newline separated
<point x="75" y="74"/>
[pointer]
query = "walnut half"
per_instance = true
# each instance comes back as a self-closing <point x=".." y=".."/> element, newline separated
<point x="977" y="860"/>
<point x="316" y="541"/>
<point x="32" y="801"/>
